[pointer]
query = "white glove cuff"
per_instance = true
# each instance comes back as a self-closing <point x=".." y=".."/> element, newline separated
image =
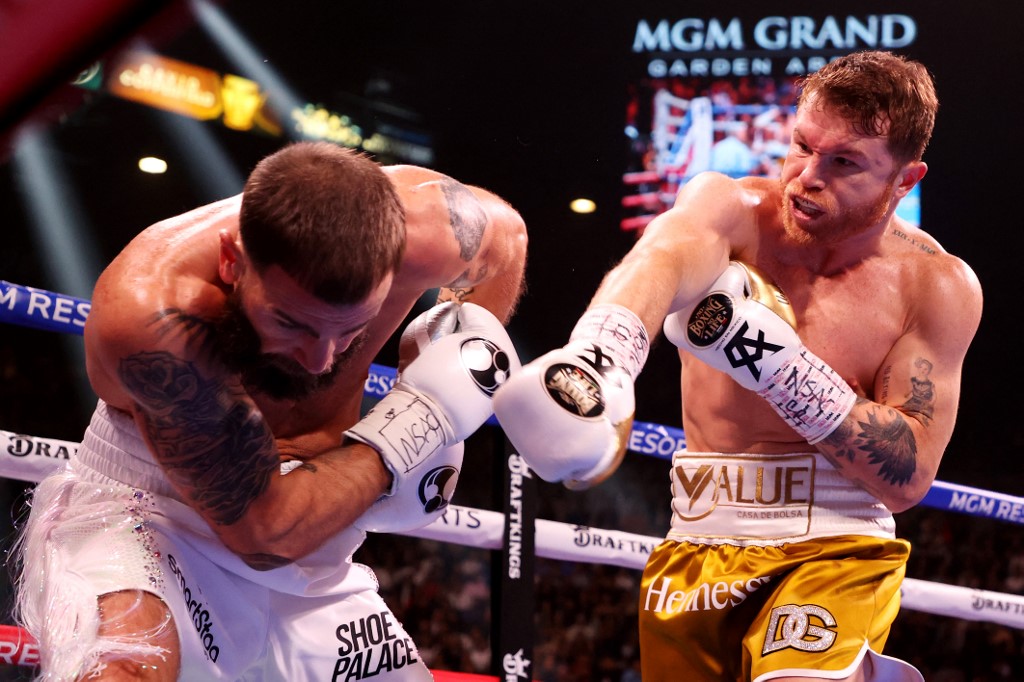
<point x="810" y="396"/>
<point x="618" y="331"/>
<point x="406" y="428"/>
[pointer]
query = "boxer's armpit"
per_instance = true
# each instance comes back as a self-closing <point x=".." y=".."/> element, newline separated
<point x="213" y="446"/>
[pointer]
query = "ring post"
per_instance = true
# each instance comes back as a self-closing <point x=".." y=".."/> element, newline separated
<point x="512" y="586"/>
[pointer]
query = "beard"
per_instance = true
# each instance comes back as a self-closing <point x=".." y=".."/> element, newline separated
<point x="839" y="224"/>
<point x="238" y="345"/>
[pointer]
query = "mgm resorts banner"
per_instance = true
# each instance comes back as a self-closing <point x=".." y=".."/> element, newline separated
<point x="719" y="93"/>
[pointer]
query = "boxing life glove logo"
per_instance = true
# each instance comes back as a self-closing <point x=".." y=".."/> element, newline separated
<point x="709" y="320"/>
<point x="712" y="318"/>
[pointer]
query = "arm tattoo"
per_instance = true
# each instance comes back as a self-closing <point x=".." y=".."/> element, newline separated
<point x="885" y="438"/>
<point x="467" y="216"/>
<point x="215" y="447"/>
<point x="458" y="294"/>
<point x="921" y="400"/>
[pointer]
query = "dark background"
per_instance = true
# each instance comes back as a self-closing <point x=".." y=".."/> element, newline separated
<point x="527" y="99"/>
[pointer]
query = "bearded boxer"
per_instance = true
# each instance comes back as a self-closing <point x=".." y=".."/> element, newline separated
<point x="805" y="310"/>
<point x="206" y="530"/>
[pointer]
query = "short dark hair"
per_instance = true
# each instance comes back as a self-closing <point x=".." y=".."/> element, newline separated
<point x="328" y="216"/>
<point x="880" y="93"/>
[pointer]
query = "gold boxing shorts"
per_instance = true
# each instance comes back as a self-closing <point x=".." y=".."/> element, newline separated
<point x="726" y="613"/>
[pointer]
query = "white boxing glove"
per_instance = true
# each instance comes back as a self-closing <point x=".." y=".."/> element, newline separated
<point x="743" y="325"/>
<point x="453" y="358"/>
<point x="569" y="413"/>
<point x="422" y="499"/>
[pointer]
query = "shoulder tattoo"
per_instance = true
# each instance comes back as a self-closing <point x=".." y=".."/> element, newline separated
<point x="467" y="216"/>
<point x="198" y="330"/>
<point x="211" y="444"/>
<point x="926" y="248"/>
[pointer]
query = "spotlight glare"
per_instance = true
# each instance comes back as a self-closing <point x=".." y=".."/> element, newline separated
<point x="151" y="164"/>
<point x="582" y="206"/>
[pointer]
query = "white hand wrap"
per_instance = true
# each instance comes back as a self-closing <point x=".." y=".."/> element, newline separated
<point x="618" y="331"/>
<point x="810" y="396"/>
<point x="461" y="355"/>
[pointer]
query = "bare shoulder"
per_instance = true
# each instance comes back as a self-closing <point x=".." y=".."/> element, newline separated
<point x="405" y="174"/>
<point x="733" y="209"/>
<point x="170" y="264"/>
<point x="727" y="196"/>
<point x="157" y="294"/>
<point x="457" y="234"/>
<point x="433" y="200"/>
<point x="945" y="287"/>
<point x="423" y="193"/>
<point x="713" y="182"/>
<point x="928" y="259"/>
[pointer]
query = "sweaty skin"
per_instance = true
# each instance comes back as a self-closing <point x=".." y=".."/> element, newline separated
<point x="221" y="440"/>
<point x="874" y="297"/>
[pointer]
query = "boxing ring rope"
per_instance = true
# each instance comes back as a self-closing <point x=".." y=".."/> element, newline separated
<point x="29" y="458"/>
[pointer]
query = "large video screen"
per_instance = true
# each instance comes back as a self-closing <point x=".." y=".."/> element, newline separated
<point x="720" y="94"/>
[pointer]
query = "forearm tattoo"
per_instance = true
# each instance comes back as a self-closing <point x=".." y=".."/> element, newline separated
<point x="213" y="446"/>
<point x="467" y="216"/>
<point x="886" y="438"/>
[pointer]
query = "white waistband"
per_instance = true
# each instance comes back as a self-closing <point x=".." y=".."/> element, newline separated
<point x="758" y="499"/>
<point x="113" y="447"/>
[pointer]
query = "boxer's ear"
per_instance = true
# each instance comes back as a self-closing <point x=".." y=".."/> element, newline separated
<point x="230" y="259"/>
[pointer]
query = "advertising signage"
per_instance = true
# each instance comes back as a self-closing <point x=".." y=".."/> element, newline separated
<point x="719" y="93"/>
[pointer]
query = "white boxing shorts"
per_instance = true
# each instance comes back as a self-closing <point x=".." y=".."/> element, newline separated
<point x="111" y="522"/>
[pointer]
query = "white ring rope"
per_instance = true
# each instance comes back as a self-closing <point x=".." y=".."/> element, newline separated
<point x="29" y="458"/>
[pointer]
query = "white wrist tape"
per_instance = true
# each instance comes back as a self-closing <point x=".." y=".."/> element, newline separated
<point x="406" y="428"/>
<point x="810" y="396"/>
<point x="618" y="331"/>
